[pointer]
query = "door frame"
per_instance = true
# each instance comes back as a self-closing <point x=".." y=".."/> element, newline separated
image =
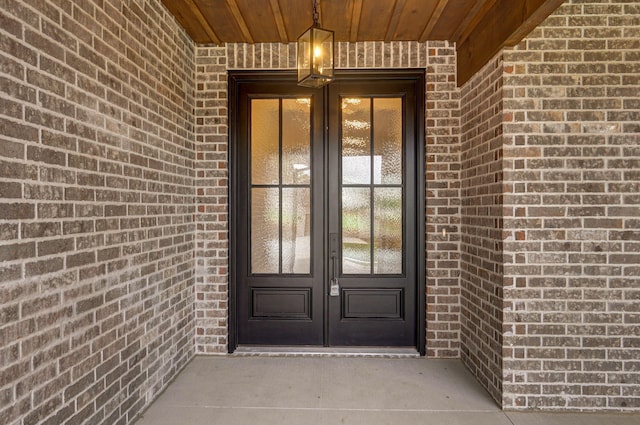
<point x="417" y="76"/>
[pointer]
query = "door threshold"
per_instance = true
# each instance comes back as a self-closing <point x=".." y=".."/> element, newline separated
<point x="314" y="351"/>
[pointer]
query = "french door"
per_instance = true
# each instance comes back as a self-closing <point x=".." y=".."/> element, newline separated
<point x="326" y="217"/>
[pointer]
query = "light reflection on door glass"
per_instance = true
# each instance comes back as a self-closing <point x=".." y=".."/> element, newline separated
<point x="280" y="219"/>
<point x="371" y="148"/>
<point x="356" y="233"/>
<point x="356" y="141"/>
<point x="387" y="229"/>
<point x="296" y="230"/>
<point x="296" y="132"/>
<point x="265" y="129"/>
<point x="387" y="136"/>
<point x="265" y="242"/>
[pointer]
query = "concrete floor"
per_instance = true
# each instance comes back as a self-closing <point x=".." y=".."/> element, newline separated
<point x="337" y="390"/>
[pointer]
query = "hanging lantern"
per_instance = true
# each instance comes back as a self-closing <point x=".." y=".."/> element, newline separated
<point x="315" y="55"/>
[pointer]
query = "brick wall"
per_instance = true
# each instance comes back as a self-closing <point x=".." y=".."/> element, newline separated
<point x="571" y="228"/>
<point x="481" y="228"/>
<point x="443" y="188"/>
<point x="442" y="182"/>
<point x="212" y="218"/>
<point x="96" y="208"/>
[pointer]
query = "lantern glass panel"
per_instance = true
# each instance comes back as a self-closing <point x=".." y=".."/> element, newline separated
<point x="315" y="57"/>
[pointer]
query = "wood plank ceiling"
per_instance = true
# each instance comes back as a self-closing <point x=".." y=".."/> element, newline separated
<point x="480" y="28"/>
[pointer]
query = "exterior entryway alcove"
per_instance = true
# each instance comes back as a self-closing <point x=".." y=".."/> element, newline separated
<point x="327" y="207"/>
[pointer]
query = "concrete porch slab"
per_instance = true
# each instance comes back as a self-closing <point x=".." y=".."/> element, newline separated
<point x="336" y="390"/>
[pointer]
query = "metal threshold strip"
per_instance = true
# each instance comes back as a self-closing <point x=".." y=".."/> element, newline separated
<point x="314" y="351"/>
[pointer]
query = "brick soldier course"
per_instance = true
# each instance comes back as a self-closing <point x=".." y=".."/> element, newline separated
<point x="114" y="206"/>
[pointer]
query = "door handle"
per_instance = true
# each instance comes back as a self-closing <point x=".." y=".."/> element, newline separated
<point x="334" y="284"/>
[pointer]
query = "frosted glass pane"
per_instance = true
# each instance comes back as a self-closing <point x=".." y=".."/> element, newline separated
<point x="356" y="230"/>
<point x="387" y="140"/>
<point x="296" y="136"/>
<point x="296" y="230"/>
<point x="356" y="141"/>
<point x="387" y="230"/>
<point x="265" y="245"/>
<point x="265" y="141"/>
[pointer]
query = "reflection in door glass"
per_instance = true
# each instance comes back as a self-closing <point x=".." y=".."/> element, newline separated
<point x="356" y="232"/>
<point x="280" y="186"/>
<point x="372" y="186"/>
<point x="356" y="141"/>
<point x="296" y="129"/>
<point x="296" y="230"/>
<point x="265" y="128"/>
<point x="265" y="243"/>
<point x="387" y="225"/>
<point x="387" y="136"/>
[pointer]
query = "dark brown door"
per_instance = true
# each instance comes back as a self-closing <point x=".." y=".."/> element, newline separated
<point x="278" y="211"/>
<point x="325" y="221"/>
<point x="372" y="213"/>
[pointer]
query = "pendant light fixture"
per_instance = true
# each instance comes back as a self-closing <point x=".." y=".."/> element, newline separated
<point x="315" y="54"/>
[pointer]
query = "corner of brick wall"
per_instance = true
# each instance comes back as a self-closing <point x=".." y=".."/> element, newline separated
<point x="481" y="253"/>
<point x="571" y="229"/>
<point x="212" y="199"/>
<point x="96" y="209"/>
<point x="442" y="185"/>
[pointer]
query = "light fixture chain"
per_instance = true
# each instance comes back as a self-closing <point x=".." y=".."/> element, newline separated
<point x="315" y="13"/>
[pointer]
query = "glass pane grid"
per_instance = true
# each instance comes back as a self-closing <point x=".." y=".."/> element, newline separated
<point x="280" y="186"/>
<point x="372" y="186"/>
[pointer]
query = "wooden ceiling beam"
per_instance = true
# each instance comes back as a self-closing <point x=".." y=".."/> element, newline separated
<point x="356" y="13"/>
<point x="395" y="18"/>
<point x="277" y="15"/>
<point x="505" y="24"/>
<point x="206" y="26"/>
<point x="535" y="18"/>
<point x="242" y="24"/>
<point x="471" y="19"/>
<point x="433" y="20"/>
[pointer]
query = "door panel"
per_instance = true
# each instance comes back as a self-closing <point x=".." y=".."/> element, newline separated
<point x="278" y="249"/>
<point x="372" y="141"/>
<point x="372" y="303"/>
<point x="324" y="246"/>
<point x="281" y="303"/>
